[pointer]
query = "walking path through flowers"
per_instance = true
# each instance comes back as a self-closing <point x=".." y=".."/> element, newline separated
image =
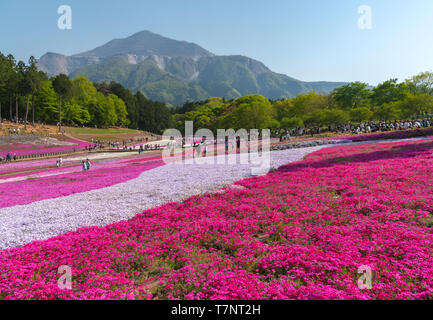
<point x="44" y="173"/>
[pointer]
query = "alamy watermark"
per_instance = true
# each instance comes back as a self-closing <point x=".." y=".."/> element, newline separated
<point x="65" y="20"/>
<point x="65" y="280"/>
<point x="245" y="147"/>
<point x="365" y="281"/>
<point x="365" y="21"/>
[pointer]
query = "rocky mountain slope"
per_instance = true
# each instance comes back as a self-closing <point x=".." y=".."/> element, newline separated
<point x="177" y="71"/>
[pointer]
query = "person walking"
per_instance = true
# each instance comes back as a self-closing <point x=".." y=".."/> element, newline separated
<point x="87" y="165"/>
<point x="238" y="145"/>
<point x="226" y="143"/>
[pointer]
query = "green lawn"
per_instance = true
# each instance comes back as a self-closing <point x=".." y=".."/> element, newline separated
<point x="90" y="131"/>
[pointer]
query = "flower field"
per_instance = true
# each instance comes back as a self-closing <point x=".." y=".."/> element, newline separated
<point x="107" y="203"/>
<point x="300" y="232"/>
<point x="51" y="183"/>
<point x="29" y="146"/>
<point x="403" y="134"/>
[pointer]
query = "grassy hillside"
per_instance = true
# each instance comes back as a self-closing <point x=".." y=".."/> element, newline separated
<point x="111" y="134"/>
<point x="180" y="79"/>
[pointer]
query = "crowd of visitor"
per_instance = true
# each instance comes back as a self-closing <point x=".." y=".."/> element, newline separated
<point x="201" y="147"/>
<point x="9" y="157"/>
<point x="383" y="126"/>
<point x="59" y="162"/>
<point x="86" y="165"/>
<point x="13" y="131"/>
<point x="94" y="147"/>
<point x="363" y="127"/>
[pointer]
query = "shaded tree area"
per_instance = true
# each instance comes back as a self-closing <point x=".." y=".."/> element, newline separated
<point x="144" y="114"/>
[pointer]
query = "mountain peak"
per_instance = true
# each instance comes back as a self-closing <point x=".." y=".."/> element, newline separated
<point x="138" y="47"/>
<point x="146" y="43"/>
<point x="145" y="33"/>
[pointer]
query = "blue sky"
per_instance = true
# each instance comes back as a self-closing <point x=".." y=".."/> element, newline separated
<point x="306" y="39"/>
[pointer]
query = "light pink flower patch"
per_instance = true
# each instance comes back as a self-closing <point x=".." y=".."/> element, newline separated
<point x="55" y="183"/>
<point x="31" y="149"/>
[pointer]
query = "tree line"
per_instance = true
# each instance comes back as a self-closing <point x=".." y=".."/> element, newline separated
<point x="355" y="102"/>
<point x="28" y="95"/>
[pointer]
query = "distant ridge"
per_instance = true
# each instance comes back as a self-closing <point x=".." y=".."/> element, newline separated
<point x="177" y="71"/>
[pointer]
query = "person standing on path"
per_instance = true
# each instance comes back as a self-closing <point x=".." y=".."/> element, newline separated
<point x="87" y="164"/>
<point x="226" y="143"/>
<point x="238" y="145"/>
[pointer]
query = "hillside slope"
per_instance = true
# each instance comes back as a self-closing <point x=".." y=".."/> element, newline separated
<point x="177" y="71"/>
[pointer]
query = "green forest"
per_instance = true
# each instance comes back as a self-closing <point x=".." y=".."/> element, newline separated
<point x="352" y="103"/>
<point x="28" y="95"/>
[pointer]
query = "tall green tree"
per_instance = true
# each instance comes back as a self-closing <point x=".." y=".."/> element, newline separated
<point x="120" y="110"/>
<point x="352" y="95"/>
<point x="335" y="116"/>
<point x="129" y="100"/>
<point x="361" y="114"/>
<point x="36" y="78"/>
<point x="416" y="104"/>
<point x="249" y="112"/>
<point x="25" y="90"/>
<point x="421" y="83"/>
<point x="32" y="82"/>
<point x="47" y="100"/>
<point x="62" y="86"/>
<point x="11" y="82"/>
<point x="22" y="86"/>
<point x="389" y="91"/>
<point x="388" y="111"/>
<point x="292" y="123"/>
<point x="4" y="74"/>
